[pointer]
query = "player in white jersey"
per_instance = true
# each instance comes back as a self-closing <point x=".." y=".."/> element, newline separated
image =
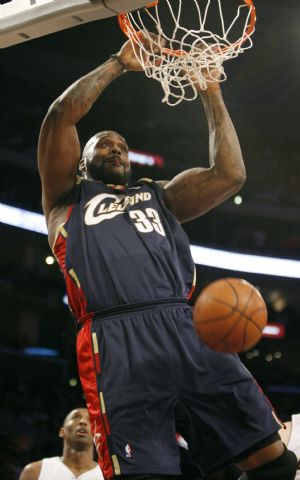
<point x="291" y="437"/>
<point x="76" y="461"/>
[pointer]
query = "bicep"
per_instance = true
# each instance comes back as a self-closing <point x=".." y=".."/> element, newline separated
<point x="193" y="192"/>
<point x="58" y="157"/>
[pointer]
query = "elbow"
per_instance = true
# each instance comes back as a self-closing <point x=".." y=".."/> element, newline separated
<point x="238" y="181"/>
<point x="59" y="109"/>
<point x="236" y="176"/>
<point x="233" y="183"/>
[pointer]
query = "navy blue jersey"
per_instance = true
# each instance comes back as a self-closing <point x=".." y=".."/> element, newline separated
<point x="122" y="246"/>
<point x="128" y="271"/>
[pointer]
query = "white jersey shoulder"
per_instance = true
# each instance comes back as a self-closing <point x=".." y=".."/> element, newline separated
<point x="294" y="441"/>
<point x="53" y="468"/>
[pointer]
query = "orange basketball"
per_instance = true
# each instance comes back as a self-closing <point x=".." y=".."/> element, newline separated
<point x="229" y="315"/>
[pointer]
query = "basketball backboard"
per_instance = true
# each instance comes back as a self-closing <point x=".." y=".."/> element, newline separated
<point x="23" y="20"/>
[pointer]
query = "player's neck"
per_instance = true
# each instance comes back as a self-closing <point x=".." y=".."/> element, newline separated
<point x="77" y="461"/>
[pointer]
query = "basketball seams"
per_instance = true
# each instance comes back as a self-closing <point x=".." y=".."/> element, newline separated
<point x="242" y="316"/>
<point x="248" y="301"/>
<point x="230" y="330"/>
<point x="251" y="320"/>
<point x="223" y="317"/>
<point x="234" y="291"/>
<point x="232" y="310"/>
<point x="244" y="337"/>
<point x="231" y="315"/>
<point x="217" y="319"/>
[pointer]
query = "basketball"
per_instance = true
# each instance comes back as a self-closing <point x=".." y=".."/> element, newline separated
<point x="230" y="315"/>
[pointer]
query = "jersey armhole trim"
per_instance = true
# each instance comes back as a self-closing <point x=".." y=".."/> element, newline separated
<point x="61" y="227"/>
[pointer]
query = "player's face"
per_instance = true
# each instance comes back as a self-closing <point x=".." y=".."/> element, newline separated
<point x="76" y="430"/>
<point x="107" y="159"/>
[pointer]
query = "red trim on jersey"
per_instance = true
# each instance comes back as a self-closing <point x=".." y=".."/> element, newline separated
<point x="69" y="211"/>
<point x="76" y="297"/>
<point x="193" y="287"/>
<point x="191" y="291"/>
<point x="86" y="367"/>
<point x="88" y="361"/>
<point x="277" y="418"/>
<point x="107" y="427"/>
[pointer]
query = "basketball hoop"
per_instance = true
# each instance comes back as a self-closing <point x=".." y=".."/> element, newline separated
<point x="180" y="56"/>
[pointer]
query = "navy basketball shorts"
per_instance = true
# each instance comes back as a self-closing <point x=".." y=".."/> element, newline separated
<point x="142" y="371"/>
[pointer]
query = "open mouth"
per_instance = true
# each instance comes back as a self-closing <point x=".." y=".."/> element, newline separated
<point x="115" y="160"/>
<point x="81" y="432"/>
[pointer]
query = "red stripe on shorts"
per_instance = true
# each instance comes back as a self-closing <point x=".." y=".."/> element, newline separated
<point x="86" y="367"/>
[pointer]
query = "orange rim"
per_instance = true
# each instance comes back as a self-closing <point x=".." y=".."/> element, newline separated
<point x="130" y="32"/>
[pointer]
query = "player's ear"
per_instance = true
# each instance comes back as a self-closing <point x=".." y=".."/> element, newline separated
<point x="82" y="165"/>
<point x="61" y="432"/>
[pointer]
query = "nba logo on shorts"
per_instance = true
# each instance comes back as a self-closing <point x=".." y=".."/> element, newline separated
<point x="128" y="451"/>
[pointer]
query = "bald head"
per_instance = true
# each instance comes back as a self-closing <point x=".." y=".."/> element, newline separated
<point x="95" y="138"/>
<point x="105" y="158"/>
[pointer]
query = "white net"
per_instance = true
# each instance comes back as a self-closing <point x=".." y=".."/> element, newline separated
<point x="179" y="56"/>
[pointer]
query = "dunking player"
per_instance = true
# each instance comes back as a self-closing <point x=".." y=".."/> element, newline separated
<point x="77" y="457"/>
<point x="128" y="270"/>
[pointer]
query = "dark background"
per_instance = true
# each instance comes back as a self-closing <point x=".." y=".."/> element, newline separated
<point x="262" y="95"/>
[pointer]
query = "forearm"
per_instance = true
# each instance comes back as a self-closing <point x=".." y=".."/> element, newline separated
<point x="77" y="100"/>
<point x="195" y="191"/>
<point x="225" y="154"/>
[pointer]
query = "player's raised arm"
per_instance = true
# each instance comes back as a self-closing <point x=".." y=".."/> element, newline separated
<point x="195" y="191"/>
<point x="59" y="148"/>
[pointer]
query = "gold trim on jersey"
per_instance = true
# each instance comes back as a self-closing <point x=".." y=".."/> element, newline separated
<point x="194" y="277"/>
<point x="116" y="465"/>
<point x="63" y="231"/>
<point x="74" y="276"/>
<point x="278" y="419"/>
<point x="60" y="229"/>
<point x="103" y="409"/>
<point x="145" y="180"/>
<point x="95" y="343"/>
